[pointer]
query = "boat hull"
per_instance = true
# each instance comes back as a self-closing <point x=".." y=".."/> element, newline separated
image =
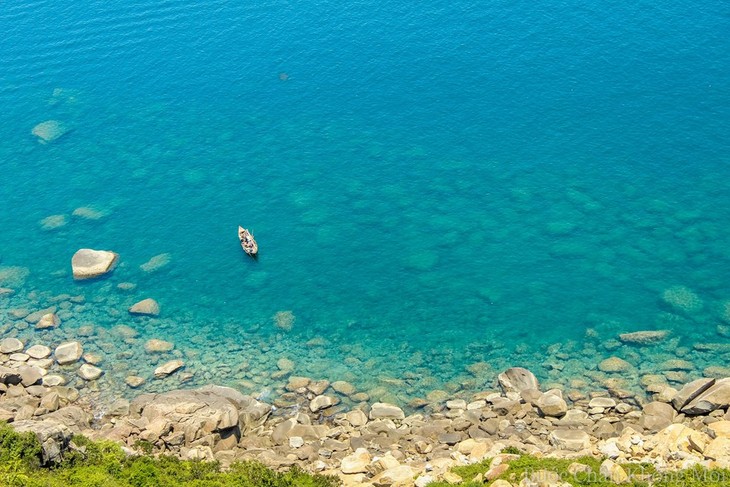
<point x="248" y="243"/>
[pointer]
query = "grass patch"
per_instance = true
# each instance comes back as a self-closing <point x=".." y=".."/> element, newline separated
<point x="104" y="464"/>
<point x="643" y="475"/>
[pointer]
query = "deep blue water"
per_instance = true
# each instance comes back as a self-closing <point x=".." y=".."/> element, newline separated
<point x="451" y="181"/>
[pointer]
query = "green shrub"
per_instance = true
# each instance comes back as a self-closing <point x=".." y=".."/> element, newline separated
<point x="22" y="447"/>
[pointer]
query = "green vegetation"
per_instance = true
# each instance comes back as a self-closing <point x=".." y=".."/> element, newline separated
<point x="643" y="475"/>
<point x="104" y="464"/>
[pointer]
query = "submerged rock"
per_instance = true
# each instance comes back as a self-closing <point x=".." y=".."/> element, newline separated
<point x="682" y="299"/>
<point x="146" y="307"/>
<point x="648" y="337"/>
<point x="49" y="131"/>
<point x="13" y="276"/>
<point x="53" y="222"/>
<point x="89" y="263"/>
<point x="614" y="364"/>
<point x="158" y="346"/>
<point x="134" y="381"/>
<point x="284" y="320"/>
<point x="89" y="213"/>
<point x="168" y="368"/>
<point x="156" y="263"/>
<point x="48" y="320"/>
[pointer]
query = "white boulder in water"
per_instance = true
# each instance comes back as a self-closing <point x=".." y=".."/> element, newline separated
<point x="49" y="131"/>
<point x="89" y="263"/>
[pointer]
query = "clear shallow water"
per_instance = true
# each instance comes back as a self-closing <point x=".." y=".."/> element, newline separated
<point x="430" y="188"/>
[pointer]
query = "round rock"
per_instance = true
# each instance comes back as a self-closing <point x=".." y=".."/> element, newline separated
<point x="158" y="346"/>
<point x="39" y="352"/>
<point x="614" y="364"/>
<point x="134" y="381"/>
<point x="68" y="353"/>
<point x="552" y="405"/>
<point x="602" y="402"/>
<point x="89" y="372"/>
<point x="10" y="345"/>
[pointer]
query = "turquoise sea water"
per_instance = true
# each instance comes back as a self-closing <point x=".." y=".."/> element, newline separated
<point x="432" y="186"/>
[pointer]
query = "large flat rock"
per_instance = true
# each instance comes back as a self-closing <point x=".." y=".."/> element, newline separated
<point x="203" y="411"/>
<point x="89" y="263"/>
<point x="715" y="397"/>
<point x="690" y="391"/>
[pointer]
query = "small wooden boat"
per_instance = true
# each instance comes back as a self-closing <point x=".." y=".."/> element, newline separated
<point x="248" y="243"/>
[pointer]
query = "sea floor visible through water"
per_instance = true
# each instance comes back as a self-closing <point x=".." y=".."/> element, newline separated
<point x="411" y="266"/>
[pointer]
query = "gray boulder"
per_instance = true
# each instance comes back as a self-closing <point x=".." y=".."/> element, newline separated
<point x="517" y="379"/>
<point x="715" y="397"/>
<point x="383" y="410"/>
<point x="10" y="345"/>
<point x="690" y="391"/>
<point x="552" y="405"/>
<point x="54" y="437"/>
<point x="657" y="416"/>
<point x="570" y="439"/>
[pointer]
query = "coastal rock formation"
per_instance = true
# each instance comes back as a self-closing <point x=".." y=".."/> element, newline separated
<point x="320" y="427"/>
<point x="89" y="263"/>
<point x="192" y="415"/>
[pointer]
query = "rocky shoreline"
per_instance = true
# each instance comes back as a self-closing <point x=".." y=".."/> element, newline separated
<point x="374" y="443"/>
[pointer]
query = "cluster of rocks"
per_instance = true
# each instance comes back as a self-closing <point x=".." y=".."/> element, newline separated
<point x="378" y="444"/>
